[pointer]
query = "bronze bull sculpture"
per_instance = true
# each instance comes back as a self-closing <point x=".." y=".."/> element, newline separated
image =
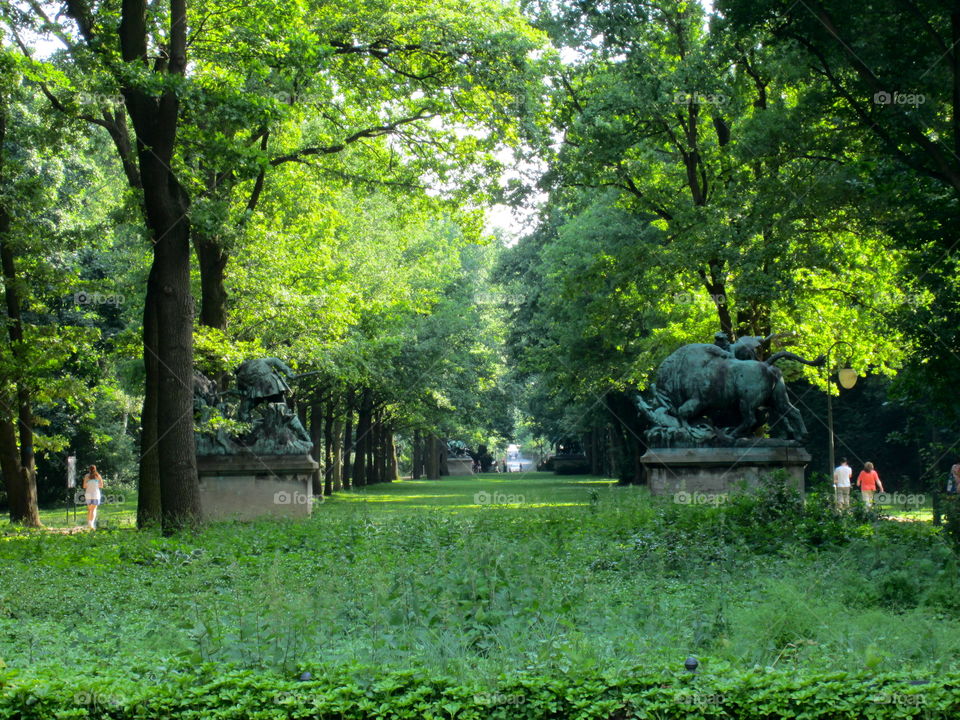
<point x="707" y="393"/>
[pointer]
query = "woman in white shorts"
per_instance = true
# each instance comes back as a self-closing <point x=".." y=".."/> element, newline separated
<point x="92" y="484"/>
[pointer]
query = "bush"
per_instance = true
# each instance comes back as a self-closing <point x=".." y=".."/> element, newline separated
<point x="218" y="694"/>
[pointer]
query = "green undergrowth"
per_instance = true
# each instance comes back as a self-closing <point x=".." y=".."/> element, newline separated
<point x="590" y="585"/>
<point x="216" y="693"/>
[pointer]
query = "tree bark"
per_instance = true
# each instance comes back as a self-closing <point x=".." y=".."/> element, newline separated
<point x="20" y="477"/>
<point x="442" y="457"/>
<point x="10" y="467"/>
<point x="212" y="261"/>
<point x="393" y="466"/>
<point x="596" y="465"/>
<point x="415" y="455"/>
<point x="179" y="486"/>
<point x="148" y="496"/>
<point x="337" y="454"/>
<point x="363" y="439"/>
<point x="328" y="450"/>
<point x="316" y="434"/>
<point x="433" y="457"/>
<point x="166" y="204"/>
<point x="348" y="441"/>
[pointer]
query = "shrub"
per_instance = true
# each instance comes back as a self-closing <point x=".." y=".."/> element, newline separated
<point x="214" y="693"/>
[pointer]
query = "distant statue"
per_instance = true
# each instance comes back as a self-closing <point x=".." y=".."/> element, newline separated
<point x="207" y="406"/>
<point x="279" y="431"/>
<point x="719" y="394"/>
<point x="262" y="380"/>
<point x="274" y="428"/>
<point x="457" y="449"/>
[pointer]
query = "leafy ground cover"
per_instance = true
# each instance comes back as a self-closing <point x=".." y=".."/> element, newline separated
<point x="484" y="580"/>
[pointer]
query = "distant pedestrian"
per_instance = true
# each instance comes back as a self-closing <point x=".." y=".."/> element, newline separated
<point x="841" y="484"/>
<point x="953" y="482"/>
<point x="92" y="485"/>
<point x="868" y="481"/>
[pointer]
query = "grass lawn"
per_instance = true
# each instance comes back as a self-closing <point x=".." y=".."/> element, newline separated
<point x="483" y="576"/>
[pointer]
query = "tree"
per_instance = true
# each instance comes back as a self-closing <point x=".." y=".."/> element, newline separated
<point x="418" y="59"/>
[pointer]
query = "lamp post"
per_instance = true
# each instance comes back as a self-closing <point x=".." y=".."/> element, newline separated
<point x="847" y="378"/>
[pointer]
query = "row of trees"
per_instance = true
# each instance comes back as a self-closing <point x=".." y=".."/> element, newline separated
<point x="299" y="169"/>
<point x="741" y="173"/>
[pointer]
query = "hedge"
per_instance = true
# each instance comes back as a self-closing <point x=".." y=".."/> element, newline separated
<point x="213" y="693"/>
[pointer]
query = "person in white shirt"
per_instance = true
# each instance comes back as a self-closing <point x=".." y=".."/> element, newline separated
<point x="841" y="484"/>
<point x="92" y="484"/>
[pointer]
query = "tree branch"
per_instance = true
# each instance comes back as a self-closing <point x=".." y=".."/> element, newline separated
<point x="372" y="132"/>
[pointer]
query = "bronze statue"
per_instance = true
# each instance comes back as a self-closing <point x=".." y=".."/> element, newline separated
<point x="262" y="380"/>
<point x="278" y="431"/>
<point x="262" y="387"/>
<point x="207" y="406"/>
<point x="720" y="394"/>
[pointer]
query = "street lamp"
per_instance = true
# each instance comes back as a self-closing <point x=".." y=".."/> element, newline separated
<point x="848" y="378"/>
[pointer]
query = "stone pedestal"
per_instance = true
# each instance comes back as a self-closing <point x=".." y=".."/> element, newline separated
<point x="459" y="466"/>
<point x="245" y="487"/>
<point x="718" y="471"/>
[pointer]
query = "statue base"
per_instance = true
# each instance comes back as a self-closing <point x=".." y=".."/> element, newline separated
<point x="246" y="486"/>
<point x="719" y="470"/>
<point x="459" y="466"/>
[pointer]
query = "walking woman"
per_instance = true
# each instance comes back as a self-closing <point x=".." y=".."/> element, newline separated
<point x="868" y="481"/>
<point x="92" y="484"/>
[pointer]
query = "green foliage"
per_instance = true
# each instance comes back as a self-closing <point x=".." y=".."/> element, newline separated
<point x="218" y="693"/>
<point x="578" y="579"/>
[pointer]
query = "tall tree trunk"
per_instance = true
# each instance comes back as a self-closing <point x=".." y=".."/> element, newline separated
<point x="617" y="450"/>
<point x="348" y="442"/>
<point x="21" y="477"/>
<point x="212" y="261"/>
<point x="316" y="435"/>
<point x="179" y="486"/>
<point x="328" y="449"/>
<point x="393" y="465"/>
<point x="10" y="467"/>
<point x="596" y="466"/>
<point x="166" y="205"/>
<point x="442" y="455"/>
<point x="337" y="454"/>
<point x="148" y="495"/>
<point x="415" y="455"/>
<point x="375" y="450"/>
<point x="363" y="439"/>
<point x="433" y="457"/>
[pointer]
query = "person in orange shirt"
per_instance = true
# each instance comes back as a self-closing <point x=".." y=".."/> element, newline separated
<point x="868" y="481"/>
